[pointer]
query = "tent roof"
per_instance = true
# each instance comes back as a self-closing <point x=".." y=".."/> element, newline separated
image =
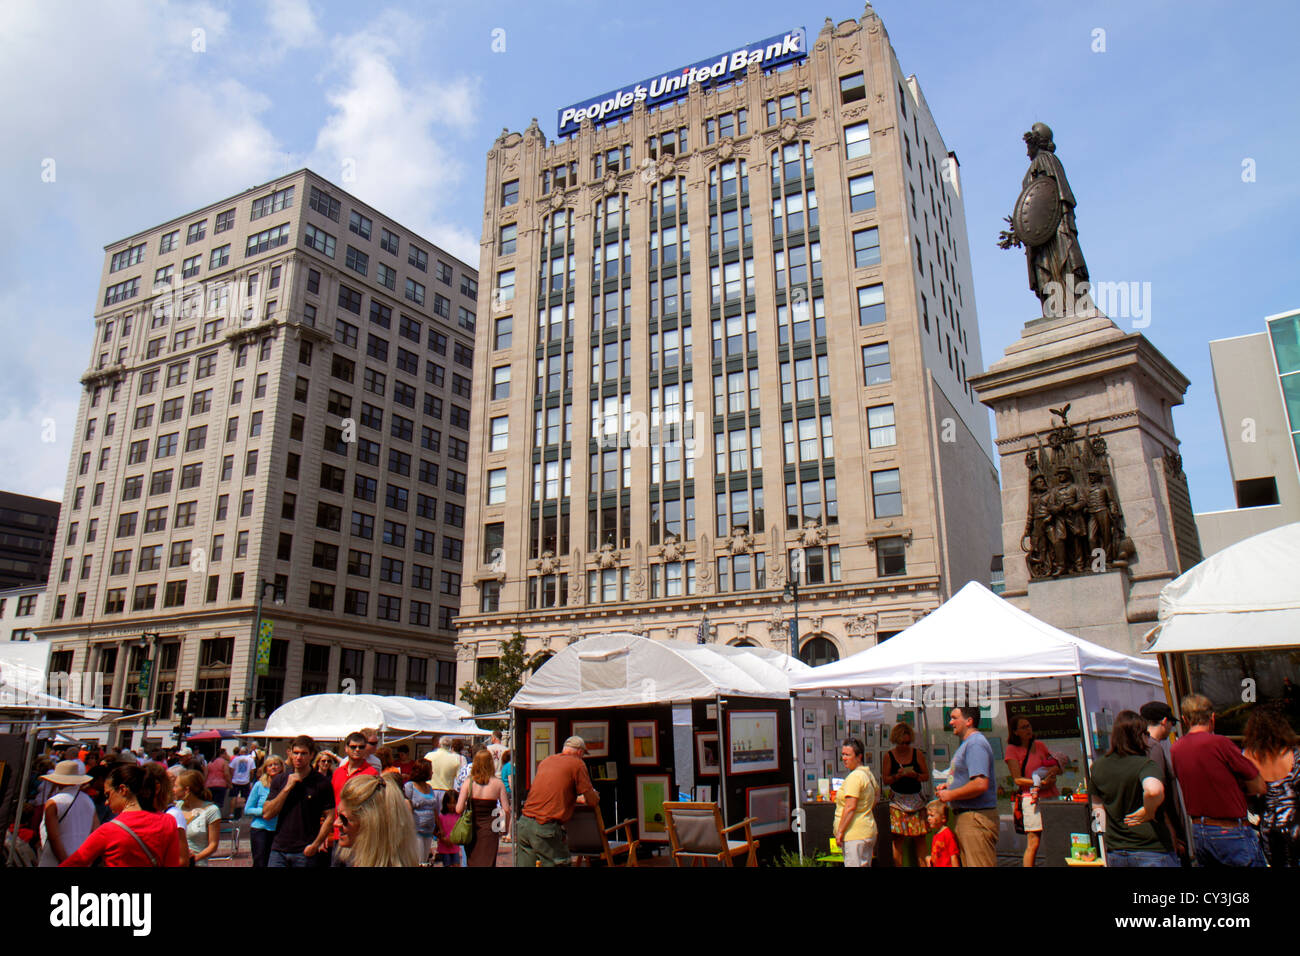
<point x="334" y="716"/>
<point x="975" y="634"/>
<point x="1247" y="595"/>
<point x="624" y="669"/>
<point x="22" y="691"/>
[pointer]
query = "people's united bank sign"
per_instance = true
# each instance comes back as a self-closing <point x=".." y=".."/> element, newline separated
<point x="656" y="91"/>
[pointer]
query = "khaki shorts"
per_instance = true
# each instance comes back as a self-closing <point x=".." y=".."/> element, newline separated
<point x="859" y="852"/>
<point x="977" y="837"/>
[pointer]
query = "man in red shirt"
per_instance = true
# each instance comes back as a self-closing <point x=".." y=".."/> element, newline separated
<point x="560" y="785"/>
<point x="355" y="765"/>
<point x="1216" y="778"/>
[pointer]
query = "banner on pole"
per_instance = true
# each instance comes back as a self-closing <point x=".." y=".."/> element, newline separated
<point x="264" y="630"/>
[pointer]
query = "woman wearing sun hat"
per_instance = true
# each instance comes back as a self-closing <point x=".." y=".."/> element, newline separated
<point x="68" y="815"/>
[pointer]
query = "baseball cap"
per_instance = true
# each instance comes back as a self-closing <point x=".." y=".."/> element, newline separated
<point x="575" y="743"/>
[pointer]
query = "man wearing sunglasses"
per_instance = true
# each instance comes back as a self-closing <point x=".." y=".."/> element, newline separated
<point x="356" y="765"/>
<point x="371" y="737"/>
<point x="303" y="801"/>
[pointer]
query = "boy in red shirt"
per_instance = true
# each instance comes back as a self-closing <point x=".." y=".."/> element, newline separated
<point x="943" y="848"/>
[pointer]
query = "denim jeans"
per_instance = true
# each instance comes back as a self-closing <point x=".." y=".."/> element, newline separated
<point x="1227" y="846"/>
<point x="260" y="840"/>
<point x="1140" y="858"/>
<point x="296" y="861"/>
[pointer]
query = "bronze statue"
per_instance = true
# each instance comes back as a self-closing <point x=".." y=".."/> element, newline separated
<point x="1067" y="529"/>
<point x="1043" y="223"/>
<point x="1036" y="543"/>
<point x="1102" y="515"/>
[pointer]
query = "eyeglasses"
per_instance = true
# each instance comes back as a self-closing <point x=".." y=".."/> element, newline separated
<point x="356" y="746"/>
<point x="343" y="819"/>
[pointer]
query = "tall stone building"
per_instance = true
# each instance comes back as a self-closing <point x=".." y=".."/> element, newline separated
<point x="728" y="330"/>
<point x="277" y="408"/>
<point x="27" y="527"/>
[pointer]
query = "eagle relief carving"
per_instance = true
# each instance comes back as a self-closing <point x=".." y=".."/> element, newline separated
<point x="812" y="534"/>
<point x="671" y="550"/>
<point x="740" y="540"/>
<point x="549" y="563"/>
<point x="607" y="557"/>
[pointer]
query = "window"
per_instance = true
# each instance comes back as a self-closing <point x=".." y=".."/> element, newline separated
<point x="437" y="343"/>
<point x="463" y="355"/>
<point x="408" y="328"/>
<point x="374" y="381"/>
<point x="122" y="291"/>
<point x="359" y="563"/>
<point x="259" y="385"/>
<point x="857" y="140"/>
<point x="862" y="193"/>
<point x="145" y="597"/>
<point x="357" y="261"/>
<point x="386" y="276"/>
<point x="510" y="193"/>
<point x="891" y="557"/>
<point x="265" y="240"/>
<point x="363" y="525"/>
<point x="322" y="242"/>
<point x="875" y="363"/>
<point x="871" y="306"/>
<point x="201" y="402"/>
<point x="389" y="242"/>
<point x="241" y="545"/>
<point x="161" y="482"/>
<point x="886" y="493"/>
<point x="866" y="248"/>
<point x="328" y="516"/>
<point x="506" y="242"/>
<point x="502" y="332"/>
<point x="417" y="257"/>
<point x="496" y="494"/>
<point x="499" y="433"/>
<point x="191" y="476"/>
<point x="196" y="438"/>
<point x="345" y="333"/>
<point x="359" y="224"/>
<point x="377" y="347"/>
<point x="250" y="463"/>
<point x="500" y="382"/>
<point x="180" y="554"/>
<point x="852" y="88"/>
<point x="166" y="445"/>
<point x="196" y="231"/>
<point x="349" y="299"/>
<point x="880" y="426"/>
<point x="390" y="570"/>
<point x="320" y="596"/>
<point x="220" y="257"/>
<point x="274" y="202"/>
<point x="356" y="602"/>
<point x="505" y="286"/>
<point x="177" y="374"/>
<point x="323" y="203"/>
<point x="415" y="291"/>
<point x="325" y="556"/>
<point x="186" y="512"/>
<point x="169" y="241"/>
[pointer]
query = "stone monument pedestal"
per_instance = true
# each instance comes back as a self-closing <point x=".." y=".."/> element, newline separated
<point x="1115" y="387"/>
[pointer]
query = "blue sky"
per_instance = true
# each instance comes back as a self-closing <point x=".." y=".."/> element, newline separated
<point x="145" y="119"/>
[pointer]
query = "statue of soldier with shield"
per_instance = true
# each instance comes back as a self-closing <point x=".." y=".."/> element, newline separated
<point x="1043" y="223"/>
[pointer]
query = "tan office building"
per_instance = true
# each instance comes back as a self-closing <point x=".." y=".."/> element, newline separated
<point x="727" y="333"/>
<point x="277" y="402"/>
<point x="1257" y="384"/>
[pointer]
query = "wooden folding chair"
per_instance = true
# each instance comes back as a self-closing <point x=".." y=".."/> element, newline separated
<point x="697" y="833"/>
<point x="588" y="837"/>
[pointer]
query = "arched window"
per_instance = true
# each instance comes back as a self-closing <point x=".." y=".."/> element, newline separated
<point x="742" y="642"/>
<point x="818" y="651"/>
<point x="538" y="659"/>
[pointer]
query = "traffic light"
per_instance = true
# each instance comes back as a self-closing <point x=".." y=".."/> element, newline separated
<point x="184" y="713"/>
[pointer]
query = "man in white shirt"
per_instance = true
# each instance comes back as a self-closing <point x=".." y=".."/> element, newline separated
<point x="496" y="748"/>
<point x="241" y="780"/>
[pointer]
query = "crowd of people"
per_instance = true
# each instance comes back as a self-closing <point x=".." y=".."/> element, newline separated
<point x="1159" y="805"/>
<point x="1201" y="800"/>
<point x="375" y="806"/>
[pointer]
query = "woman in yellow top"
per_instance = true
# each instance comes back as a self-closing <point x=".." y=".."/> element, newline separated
<point x="855" y="802"/>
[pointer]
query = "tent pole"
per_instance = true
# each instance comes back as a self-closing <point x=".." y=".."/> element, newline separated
<point x="723" y="748"/>
<point x="1087" y="755"/>
<point x="516" y="801"/>
<point x="29" y="758"/>
<point x="794" y="754"/>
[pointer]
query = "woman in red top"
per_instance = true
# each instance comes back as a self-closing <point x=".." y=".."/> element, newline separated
<point x="138" y="835"/>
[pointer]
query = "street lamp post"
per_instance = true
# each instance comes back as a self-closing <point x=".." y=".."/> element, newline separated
<point x="791" y="595"/>
<point x="247" y="715"/>
<point x="149" y="640"/>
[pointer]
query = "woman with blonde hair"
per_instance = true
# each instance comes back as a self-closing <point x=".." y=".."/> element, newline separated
<point x="484" y="791"/>
<point x="261" y="832"/>
<point x="903" y="772"/>
<point x="202" y="816"/>
<point x="376" y="827"/>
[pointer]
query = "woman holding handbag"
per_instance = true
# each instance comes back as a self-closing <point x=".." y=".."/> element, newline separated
<point x="903" y="772"/>
<point x="1024" y="756"/>
<point x="139" y="834"/>
<point x="484" y="792"/>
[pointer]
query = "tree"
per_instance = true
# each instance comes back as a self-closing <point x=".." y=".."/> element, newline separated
<point x="495" y="688"/>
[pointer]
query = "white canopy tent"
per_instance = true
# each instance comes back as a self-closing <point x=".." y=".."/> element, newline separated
<point x="975" y="635"/>
<point x="334" y="716"/>
<point x="1246" y="596"/>
<point x="625" y="669"/>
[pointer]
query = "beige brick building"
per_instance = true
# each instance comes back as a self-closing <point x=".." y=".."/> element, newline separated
<point x="277" y="400"/>
<point x="721" y="339"/>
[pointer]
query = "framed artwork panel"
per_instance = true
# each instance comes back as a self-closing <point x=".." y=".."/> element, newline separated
<point x="652" y="790"/>
<point x="752" y="741"/>
<point x="770" y="806"/>
<point x="541" y="744"/>
<point x="595" y="734"/>
<point x="643" y="742"/>
<point x="708" y="757"/>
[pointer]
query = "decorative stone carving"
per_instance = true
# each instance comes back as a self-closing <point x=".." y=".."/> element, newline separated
<point x="776" y="568"/>
<point x="815" y="624"/>
<point x="740" y="541"/>
<point x="1174" y="464"/>
<point x="812" y="535"/>
<point x="788" y="131"/>
<point x="671" y="550"/>
<point x="556" y="201"/>
<point x="607" y="557"/>
<point x="704" y="567"/>
<point x="546" y="640"/>
<point x="862" y="625"/>
<point x="637" y="627"/>
<point x="666" y="168"/>
<point x="574" y="635"/>
<point x="577" y="584"/>
<point x="610" y="184"/>
<point x="549" y="563"/>
<point x="777" y="629"/>
<point x="465" y="652"/>
<point x="727" y="149"/>
<point x="638" y="572"/>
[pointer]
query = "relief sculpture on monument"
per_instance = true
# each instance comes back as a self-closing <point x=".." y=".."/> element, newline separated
<point x="1074" y="524"/>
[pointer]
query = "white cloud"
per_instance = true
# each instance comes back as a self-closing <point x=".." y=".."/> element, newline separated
<point x="140" y="126"/>
<point x="293" y="24"/>
<point x="385" y="139"/>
